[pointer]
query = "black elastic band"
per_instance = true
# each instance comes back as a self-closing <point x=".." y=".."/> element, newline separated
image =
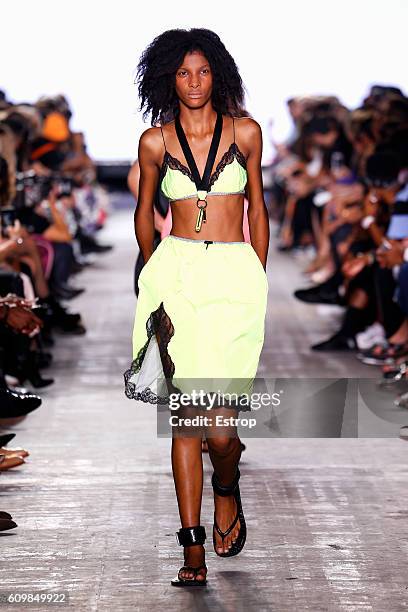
<point x="201" y="183"/>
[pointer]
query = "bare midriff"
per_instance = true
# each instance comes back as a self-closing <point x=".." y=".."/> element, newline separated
<point x="224" y="218"/>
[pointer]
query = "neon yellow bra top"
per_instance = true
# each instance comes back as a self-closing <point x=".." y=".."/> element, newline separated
<point x="229" y="177"/>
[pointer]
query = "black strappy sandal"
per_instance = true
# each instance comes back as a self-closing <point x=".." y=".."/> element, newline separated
<point x="233" y="489"/>
<point x="189" y="536"/>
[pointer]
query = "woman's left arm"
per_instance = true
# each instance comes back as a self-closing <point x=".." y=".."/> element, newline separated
<point x="258" y="218"/>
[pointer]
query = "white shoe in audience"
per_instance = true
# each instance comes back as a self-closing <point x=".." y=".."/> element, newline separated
<point x="370" y="336"/>
<point x="11" y="381"/>
<point x="404" y="432"/>
<point x="402" y="401"/>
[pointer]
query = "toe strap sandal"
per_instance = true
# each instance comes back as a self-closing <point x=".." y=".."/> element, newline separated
<point x="190" y="536"/>
<point x="232" y="489"/>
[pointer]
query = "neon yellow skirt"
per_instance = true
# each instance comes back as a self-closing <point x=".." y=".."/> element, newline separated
<point x="200" y="316"/>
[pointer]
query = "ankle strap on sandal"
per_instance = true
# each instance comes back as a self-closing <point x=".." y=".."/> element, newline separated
<point x="188" y="536"/>
<point x="222" y="490"/>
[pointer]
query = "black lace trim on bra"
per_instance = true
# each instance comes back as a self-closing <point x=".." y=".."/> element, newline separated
<point x="227" y="158"/>
<point x="158" y="323"/>
<point x="175" y="164"/>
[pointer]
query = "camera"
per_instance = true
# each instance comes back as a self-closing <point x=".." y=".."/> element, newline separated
<point x="32" y="189"/>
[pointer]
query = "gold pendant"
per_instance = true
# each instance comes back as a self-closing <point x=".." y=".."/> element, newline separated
<point x="201" y="216"/>
<point x="199" y="220"/>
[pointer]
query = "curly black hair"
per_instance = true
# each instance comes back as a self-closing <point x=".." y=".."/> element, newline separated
<point x="156" y="73"/>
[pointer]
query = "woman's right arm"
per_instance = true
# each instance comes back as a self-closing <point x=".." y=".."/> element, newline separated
<point x="148" y="156"/>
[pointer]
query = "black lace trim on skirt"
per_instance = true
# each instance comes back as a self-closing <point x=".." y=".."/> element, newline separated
<point x="158" y="323"/>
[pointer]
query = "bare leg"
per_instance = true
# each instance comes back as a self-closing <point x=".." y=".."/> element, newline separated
<point x="40" y="282"/>
<point x="28" y="253"/>
<point x="31" y="254"/>
<point x="224" y="447"/>
<point x="187" y="467"/>
<point x="359" y="299"/>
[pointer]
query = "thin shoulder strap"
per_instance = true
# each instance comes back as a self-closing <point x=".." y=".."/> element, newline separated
<point x="233" y="127"/>
<point x="164" y="142"/>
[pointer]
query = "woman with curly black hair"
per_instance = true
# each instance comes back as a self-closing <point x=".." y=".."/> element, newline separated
<point x="200" y="315"/>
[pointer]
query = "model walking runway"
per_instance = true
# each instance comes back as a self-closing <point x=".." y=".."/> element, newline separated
<point x="95" y="501"/>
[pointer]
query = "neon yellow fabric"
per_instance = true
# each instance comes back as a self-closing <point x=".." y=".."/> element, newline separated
<point x="215" y="297"/>
<point x="231" y="180"/>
